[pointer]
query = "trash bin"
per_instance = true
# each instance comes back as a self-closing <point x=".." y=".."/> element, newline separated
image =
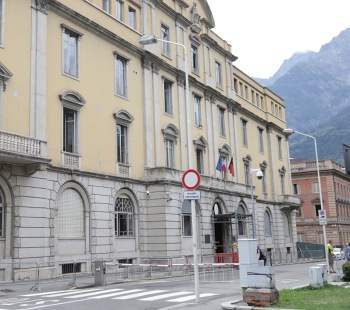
<point x="100" y="273"/>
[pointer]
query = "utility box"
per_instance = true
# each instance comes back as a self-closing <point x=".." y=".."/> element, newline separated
<point x="316" y="276"/>
<point x="261" y="277"/>
<point x="247" y="250"/>
<point x="100" y="273"/>
<point x="324" y="272"/>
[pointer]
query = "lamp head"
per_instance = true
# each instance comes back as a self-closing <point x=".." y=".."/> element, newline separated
<point x="148" y="39"/>
<point x="288" y="130"/>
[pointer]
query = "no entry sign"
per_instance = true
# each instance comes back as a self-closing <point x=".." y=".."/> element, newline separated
<point x="191" y="179"/>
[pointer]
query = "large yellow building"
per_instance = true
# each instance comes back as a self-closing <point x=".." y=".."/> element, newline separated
<point x="97" y="129"/>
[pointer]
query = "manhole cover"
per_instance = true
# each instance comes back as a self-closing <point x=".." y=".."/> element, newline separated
<point x="6" y="290"/>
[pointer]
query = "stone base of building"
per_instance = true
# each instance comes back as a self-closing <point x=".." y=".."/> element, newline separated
<point x="260" y="297"/>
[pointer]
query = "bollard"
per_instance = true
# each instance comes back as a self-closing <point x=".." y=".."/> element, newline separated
<point x="100" y="273"/>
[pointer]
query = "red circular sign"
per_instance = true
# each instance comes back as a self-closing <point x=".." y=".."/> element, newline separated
<point x="191" y="179"/>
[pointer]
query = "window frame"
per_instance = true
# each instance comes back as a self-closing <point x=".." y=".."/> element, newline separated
<point x="168" y="97"/>
<point x="244" y="126"/>
<point x="242" y="226"/>
<point x="279" y="146"/>
<point x="121" y="90"/>
<point x="261" y="139"/>
<point x="119" y="10"/>
<point x="75" y="131"/>
<point x="218" y="74"/>
<point x="194" y="57"/>
<point x="106" y="6"/>
<point x="165" y="35"/>
<point x="2" y="22"/>
<point x="315" y="188"/>
<point x="200" y="160"/>
<point x="222" y="128"/>
<point x="2" y="213"/>
<point x="129" y="218"/>
<point x="267" y="224"/>
<point x="68" y="31"/>
<point x="132" y="18"/>
<point x="197" y="110"/>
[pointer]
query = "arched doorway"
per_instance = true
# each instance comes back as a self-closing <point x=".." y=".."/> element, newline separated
<point x="219" y="229"/>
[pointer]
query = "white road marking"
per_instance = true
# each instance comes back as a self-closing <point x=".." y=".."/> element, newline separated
<point x="165" y="296"/>
<point x="115" y="294"/>
<point x="140" y="294"/>
<point x="187" y="298"/>
<point x="94" y="293"/>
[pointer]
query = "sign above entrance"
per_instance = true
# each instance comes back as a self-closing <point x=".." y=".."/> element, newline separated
<point x="191" y="179"/>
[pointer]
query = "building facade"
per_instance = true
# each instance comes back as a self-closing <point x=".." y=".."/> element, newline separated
<point x="335" y="187"/>
<point x="95" y="131"/>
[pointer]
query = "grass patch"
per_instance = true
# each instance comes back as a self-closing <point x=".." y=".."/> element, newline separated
<point x="328" y="297"/>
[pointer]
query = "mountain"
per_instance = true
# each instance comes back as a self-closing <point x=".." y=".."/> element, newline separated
<point x="316" y="90"/>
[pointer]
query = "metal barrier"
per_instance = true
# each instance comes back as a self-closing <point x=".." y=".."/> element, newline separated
<point x="122" y="269"/>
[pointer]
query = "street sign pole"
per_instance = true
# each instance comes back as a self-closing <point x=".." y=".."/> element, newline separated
<point x="190" y="181"/>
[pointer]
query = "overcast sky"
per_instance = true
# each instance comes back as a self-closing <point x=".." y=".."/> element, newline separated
<point x="263" y="33"/>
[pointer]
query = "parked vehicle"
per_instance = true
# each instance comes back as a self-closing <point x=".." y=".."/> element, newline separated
<point x="338" y="253"/>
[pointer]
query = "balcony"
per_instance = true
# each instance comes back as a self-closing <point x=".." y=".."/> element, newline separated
<point x="21" y="150"/>
<point x="289" y="201"/>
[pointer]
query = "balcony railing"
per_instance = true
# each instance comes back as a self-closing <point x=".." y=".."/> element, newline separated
<point x="123" y="170"/>
<point x="21" y="145"/>
<point x="71" y="160"/>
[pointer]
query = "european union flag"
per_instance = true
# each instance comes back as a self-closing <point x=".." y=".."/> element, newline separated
<point x="219" y="164"/>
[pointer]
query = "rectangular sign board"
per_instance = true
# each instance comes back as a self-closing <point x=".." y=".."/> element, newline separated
<point x="192" y="195"/>
<point x="322" y="215"/>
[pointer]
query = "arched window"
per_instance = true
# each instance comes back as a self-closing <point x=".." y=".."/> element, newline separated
<point x="70" y="214"/>
<point x="2" y="216"/>
<point x="286" y="224"/>
<point x="267" y="223"/>
<point x="241" y="220"/>
<point x="124" y="216"/>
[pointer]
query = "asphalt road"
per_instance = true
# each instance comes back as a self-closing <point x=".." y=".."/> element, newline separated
<point x="174" y="293"/>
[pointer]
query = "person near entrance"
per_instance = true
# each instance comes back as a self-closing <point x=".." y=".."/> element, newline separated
<point x="261" y="255"/>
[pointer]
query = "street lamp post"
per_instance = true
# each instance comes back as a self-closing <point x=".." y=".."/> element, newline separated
<point x="259" y="175"/>
<point x="152" y="39"/>
<point x="291" y="131"/>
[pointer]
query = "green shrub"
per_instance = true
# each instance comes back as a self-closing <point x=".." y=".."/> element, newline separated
<point x="346" y="271"/>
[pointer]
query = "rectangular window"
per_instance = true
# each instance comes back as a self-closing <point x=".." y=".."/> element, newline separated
<point x="235" y="85"/>
<point x="122" y="144"/>
<point x="279" y="145"/>
<point x="121" y="76"/>
<point x="253" y="97"/>
<point x="261" y="102"/>
<point x="164" y="35"/>
<point x="186" y="225"/>
<point x="2" y="3"/>
<point x="197" y="111"/>
<point x="168" y="100"/>
<point x="315" y="187"/>
<point x="199" y="160"/>
<point x="296" y="189"/>
<point x="218" y="74"/>
<point x="317" y="209"/>
<point x="240" y="89"/>
<point x="194" y="55"/>
<point x="222" y="122"/>
<point x="119" y="7"/>
<point x="169" y="151"/>
<point x="244" y="133"/>
<point x="70" y="53"/>
<point x="69" y="130"/>
<point x="257" y="100"/>
<point x="283" y="192"/>
<point x="261" y="140"/>
<point x="246" y="92"/>
<point x="106" y="6"/>
<point x="246" y="174"/>
<point x="132" y="18"/>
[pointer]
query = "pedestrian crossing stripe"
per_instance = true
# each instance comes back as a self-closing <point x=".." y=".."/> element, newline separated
<point x="122" y="294"/>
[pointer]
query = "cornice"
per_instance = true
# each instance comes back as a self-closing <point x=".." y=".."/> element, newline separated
<point x="93" y="27"/>
<point x="205" y="37"/>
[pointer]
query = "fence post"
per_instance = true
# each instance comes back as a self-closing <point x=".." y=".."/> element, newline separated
<point x="74" y="280"/>
<point x="36" y="285"/>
